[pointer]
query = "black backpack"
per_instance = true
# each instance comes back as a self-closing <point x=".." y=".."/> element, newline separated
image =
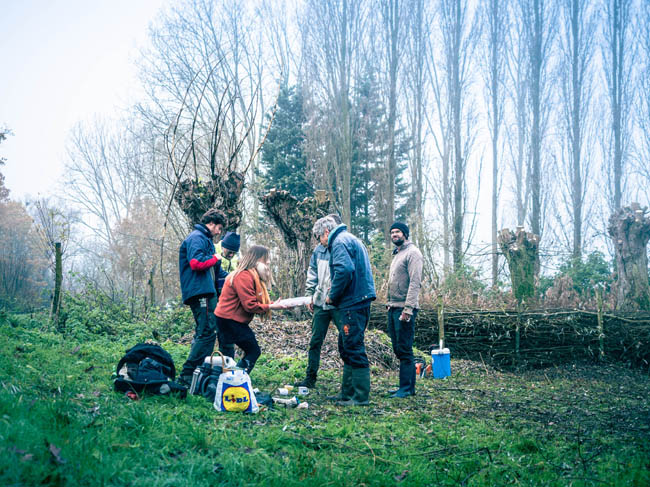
<point x="147" y="367"/>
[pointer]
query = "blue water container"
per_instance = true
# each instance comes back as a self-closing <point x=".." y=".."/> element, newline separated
<point x="441" y="363"/>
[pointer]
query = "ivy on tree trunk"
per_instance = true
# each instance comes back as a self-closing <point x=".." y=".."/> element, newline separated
<point x="520" y="249"/>
<point x="629" y="228"/>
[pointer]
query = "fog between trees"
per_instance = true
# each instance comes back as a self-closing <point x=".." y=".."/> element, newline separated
<point x="460" y="117"/>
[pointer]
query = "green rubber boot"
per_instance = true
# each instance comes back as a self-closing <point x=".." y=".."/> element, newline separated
<point x="346" y="386"/>
<point x="361" y="388"/>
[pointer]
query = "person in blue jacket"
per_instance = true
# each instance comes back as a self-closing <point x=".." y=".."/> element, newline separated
<point x="197" y="265"/>
<point x="351" y="291"/>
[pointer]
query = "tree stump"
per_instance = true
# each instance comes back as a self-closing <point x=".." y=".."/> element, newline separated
<point x="195" y="197"/>
<point x="520" y="249"/>
<point x="295" y="219"/>
<point x="629" y="228"/>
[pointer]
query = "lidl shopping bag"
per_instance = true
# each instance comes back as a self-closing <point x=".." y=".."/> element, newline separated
<point x="235" y="392"/>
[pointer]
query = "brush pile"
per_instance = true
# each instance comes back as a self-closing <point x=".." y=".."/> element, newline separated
<point x="545" y="337"/>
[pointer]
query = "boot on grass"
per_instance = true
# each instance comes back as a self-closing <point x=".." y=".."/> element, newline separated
<point x="306" y="382"/>
<point x="346" y="386"/>
<point x="360" y="388"/>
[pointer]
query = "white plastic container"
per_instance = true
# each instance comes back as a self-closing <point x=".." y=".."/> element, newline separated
<point x="215" y="361"/>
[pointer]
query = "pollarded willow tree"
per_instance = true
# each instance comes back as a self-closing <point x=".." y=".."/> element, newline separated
<point x="204" y="79"/>
<point x="295" y="218"/>
<point x="629" y="228"/>
<point x="521" y="250"/>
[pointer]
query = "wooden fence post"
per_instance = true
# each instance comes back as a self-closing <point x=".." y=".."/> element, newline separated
<point x="518" y="333"/>
<point x="601" y="329"/>
<point x="58" y="279"/>
<point x="441" y="323"/>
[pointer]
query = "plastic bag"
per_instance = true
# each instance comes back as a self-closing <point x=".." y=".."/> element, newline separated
<point x="235" y="392"/>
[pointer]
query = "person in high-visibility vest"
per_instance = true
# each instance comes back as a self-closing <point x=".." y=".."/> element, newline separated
<point x="228" y="249"/>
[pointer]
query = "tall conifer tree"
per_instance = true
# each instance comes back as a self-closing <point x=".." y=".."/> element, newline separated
<point x="282" y="154"/>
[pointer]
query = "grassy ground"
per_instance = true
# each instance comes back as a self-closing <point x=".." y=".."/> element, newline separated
<point x="61" y="424"/>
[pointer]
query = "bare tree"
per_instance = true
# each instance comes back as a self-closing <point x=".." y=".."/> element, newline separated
<point x="643" y="100"/>
<point x="439" y="123"/>
<point x="205" y="82"/>
<point x="519" y="130"/>
<point x="98" y="177"/>
<point x="577" y="34"/>
<point x="417" y="25"/>
<point x="538" y="17"/>
<point x="618" y="53"/>
<point x="53" y="224"/>
<point x="4" y="192"/>
<point x="495" y="14"/>
<point x="392" y="16"/>
<point x="332" y="36"/>
<point x="459" y="37"/>
<point x="22" y="267"/>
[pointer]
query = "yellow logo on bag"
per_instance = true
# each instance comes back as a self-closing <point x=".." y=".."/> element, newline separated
<point x="236" y="399"/>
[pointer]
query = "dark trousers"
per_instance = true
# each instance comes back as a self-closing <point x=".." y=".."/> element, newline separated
<point x="401" y="336"/>
<point x="319" y="326"/>
<point x="205" y="332"/>
<point x="352" y="324"/>
<point x="233" y="333"/>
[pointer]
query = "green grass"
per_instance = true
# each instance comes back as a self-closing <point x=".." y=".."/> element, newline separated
<point x="62" y="424"/>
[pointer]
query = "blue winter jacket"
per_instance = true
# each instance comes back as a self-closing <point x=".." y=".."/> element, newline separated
<point x="196" y="261"/>
<point x="350" y="271"/>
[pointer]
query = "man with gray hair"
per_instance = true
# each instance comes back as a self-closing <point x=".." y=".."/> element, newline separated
<point x="318" y="285"/>
<point x="351" y="292"/>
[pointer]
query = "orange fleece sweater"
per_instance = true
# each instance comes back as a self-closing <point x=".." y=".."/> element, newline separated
<point x="238" y="300"/>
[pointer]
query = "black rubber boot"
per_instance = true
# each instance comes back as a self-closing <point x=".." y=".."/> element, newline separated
<point x="361" y="388"/>
<point x="346" y="386"/>
<point x="306" y="382"/>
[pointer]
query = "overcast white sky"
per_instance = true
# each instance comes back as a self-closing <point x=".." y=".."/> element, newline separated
<point x="63" y="61"/>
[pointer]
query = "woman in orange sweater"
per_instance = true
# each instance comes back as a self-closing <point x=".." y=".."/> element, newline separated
<point x="243" y="296"/>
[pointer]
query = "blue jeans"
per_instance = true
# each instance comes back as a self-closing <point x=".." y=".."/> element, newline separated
<point x="401" y="336"/>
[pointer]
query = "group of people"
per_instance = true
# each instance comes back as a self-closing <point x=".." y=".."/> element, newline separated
<point x="341" y="286"/>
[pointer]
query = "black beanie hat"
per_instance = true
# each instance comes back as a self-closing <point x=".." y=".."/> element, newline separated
<point x="402" y="227"/>
<point x="230" y="241"/>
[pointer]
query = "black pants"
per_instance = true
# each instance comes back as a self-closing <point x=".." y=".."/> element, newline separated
<point x="205" y="332"/>
<point x="319" y="325"/>
<point x="401" y="336"/>
<point x="352" y="324"/>
<point x="233" y="333"/>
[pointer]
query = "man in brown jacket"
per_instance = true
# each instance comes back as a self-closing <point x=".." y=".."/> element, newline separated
<point x="404" y="282"/>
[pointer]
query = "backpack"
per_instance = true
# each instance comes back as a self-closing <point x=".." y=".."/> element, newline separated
<point x="147" y="367"/>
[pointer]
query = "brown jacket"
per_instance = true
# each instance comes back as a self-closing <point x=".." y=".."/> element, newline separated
<point x="405" y="277"/>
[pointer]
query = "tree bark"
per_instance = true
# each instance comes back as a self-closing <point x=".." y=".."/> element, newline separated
<point x="222" y="193"/>
<point x="629" y="228"/>
<point x="295" y="219"/>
